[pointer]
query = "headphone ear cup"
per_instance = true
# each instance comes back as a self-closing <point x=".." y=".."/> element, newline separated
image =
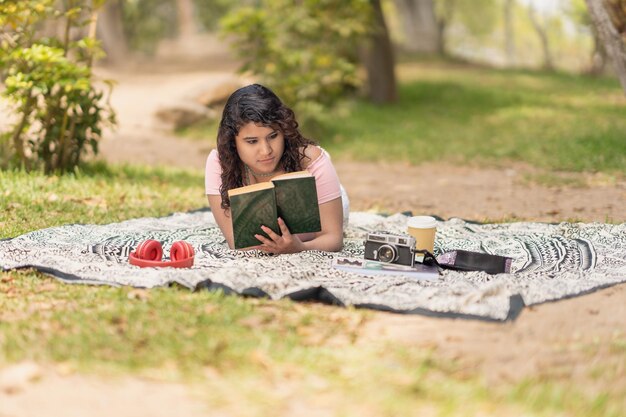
<point x="181" y="250"/>
<point x="150" y="250"/>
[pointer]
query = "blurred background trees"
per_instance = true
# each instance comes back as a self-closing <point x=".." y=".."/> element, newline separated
<point x="609" y="19"/>
<point x="325" y="43"/>
<point x="311" y="52"/>
<point x="555" y="34"/>
<point x="308" y="54"/>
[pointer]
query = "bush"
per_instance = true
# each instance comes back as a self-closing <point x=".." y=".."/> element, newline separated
<point x="60" y="113"/>
<point x="306" y="54"/>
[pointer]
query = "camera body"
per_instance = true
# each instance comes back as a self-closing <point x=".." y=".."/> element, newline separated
<point x="390" y="248"/>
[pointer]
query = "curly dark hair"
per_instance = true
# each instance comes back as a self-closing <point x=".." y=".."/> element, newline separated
<point x="258" y="104"/>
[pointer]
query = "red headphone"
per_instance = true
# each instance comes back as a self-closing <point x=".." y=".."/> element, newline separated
<point x="149" y="254"/>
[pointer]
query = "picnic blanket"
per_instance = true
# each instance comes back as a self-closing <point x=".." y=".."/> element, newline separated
<point x="551" y="262"/>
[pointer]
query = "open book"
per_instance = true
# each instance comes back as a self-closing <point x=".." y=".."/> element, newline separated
<point x="372" y="268"/>
<point x="291" y="196"/>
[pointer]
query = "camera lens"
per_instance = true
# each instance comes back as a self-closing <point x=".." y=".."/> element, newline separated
<point x="387" y="253"/>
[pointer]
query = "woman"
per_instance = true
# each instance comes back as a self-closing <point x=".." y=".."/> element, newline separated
<point x="258" y="139"/>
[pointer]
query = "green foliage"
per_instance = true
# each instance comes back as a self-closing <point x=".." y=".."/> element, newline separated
<point x="478" y="17"/>
<point x="307" y="54"/>
<point x="60" y="113"/>
<point x="146" y="22"/>
<point x="577" y="11"/>
<point x="18" y="18"/>
<point x="18" y="22"/>
<point x="210" y="12"/>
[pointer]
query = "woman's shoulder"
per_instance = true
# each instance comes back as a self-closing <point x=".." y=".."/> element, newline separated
<point x="311" y="154"/>
<point x="213" y="164"/>
<point x="213" y="158"/>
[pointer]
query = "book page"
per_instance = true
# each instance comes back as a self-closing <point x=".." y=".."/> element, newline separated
<point x="297" y="174"/>
<point x="250" y="188"/>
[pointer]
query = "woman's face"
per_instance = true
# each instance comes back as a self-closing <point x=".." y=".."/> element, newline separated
<point x="260" y="147"/>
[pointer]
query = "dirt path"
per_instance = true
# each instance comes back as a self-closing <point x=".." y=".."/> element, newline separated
<point x="546" y="338"/>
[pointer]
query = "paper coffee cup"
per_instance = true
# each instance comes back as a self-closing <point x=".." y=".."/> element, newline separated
<point x="423" y="229"/>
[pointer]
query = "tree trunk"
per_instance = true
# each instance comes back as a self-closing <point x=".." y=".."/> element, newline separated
<point x="186" y="23"/>
<point x="613" y="43"/>
<point x="543" y="38"/>
<point x="379" y="60"/>
<point x="443" y="20"/>
<point x="420" y="25"/>
<point x="509" y="34"/>
<point x="599" y="57"/>
<point x="617" y="13"/>
<point x="110" y="31"/>
<point x="612" y="40"/>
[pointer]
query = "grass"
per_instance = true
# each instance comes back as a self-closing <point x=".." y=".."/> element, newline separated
<point x="461" y="113"/>
<point x="221" y="343"/>
<point x="475" y="115"/>
<point x="262" y="348"/>
<point x="94" y="194"/>
<point x="124" y="329"/>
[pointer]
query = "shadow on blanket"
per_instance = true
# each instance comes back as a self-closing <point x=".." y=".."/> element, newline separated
<point x="551" y="262"/>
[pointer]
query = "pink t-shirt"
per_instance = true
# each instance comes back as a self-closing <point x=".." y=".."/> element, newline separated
<point x="322" y="168"/>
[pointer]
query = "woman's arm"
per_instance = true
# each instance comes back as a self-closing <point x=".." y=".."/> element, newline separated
<point x="222" y="217"/>
<point x="330" y="239"/>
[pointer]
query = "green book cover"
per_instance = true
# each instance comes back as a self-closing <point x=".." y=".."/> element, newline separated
<point x="296" y="198"/>
<point x="251" y="207"/>
<point x="292" y="197"/>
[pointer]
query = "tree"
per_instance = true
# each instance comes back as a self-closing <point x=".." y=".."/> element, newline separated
<point x="186" y="22"/>
<point x="617" y="13"/>
<point x="111" y="32"/>
<point x="308" y="54"/>
<point x="209" y="13"/>
<point x="542" y="33"/>
<point x="476" y="18"/>
<point x="146" y="22"/>
<point x="612" y="39"/>
<point x="509" y="34"/>
<point x="420" y="25"/>
<point x="445" y="14"/>
<point x="379" y="60"/>
<point x="578" y="12"/>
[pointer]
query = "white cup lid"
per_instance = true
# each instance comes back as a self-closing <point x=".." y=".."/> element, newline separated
<point x="422" y="222"/>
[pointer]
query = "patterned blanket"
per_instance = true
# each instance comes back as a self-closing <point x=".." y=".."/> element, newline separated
<point x="551" y="262"/>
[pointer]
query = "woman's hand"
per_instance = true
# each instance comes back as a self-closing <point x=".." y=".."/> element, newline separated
<point x="287" y="243"/>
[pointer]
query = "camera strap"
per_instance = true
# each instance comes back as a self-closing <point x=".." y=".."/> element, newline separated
<point x="462" y="260"/>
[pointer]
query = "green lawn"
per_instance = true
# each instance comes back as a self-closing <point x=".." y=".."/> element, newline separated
<point x="551" y="121"/>
<point x="445" y="112"/>
<point x="96" y="193"/>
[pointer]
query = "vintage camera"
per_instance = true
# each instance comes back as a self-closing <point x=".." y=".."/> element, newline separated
<point x="389" y="248"/>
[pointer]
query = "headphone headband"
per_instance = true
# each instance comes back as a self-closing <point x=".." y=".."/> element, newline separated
<point x="149" y="253"/>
